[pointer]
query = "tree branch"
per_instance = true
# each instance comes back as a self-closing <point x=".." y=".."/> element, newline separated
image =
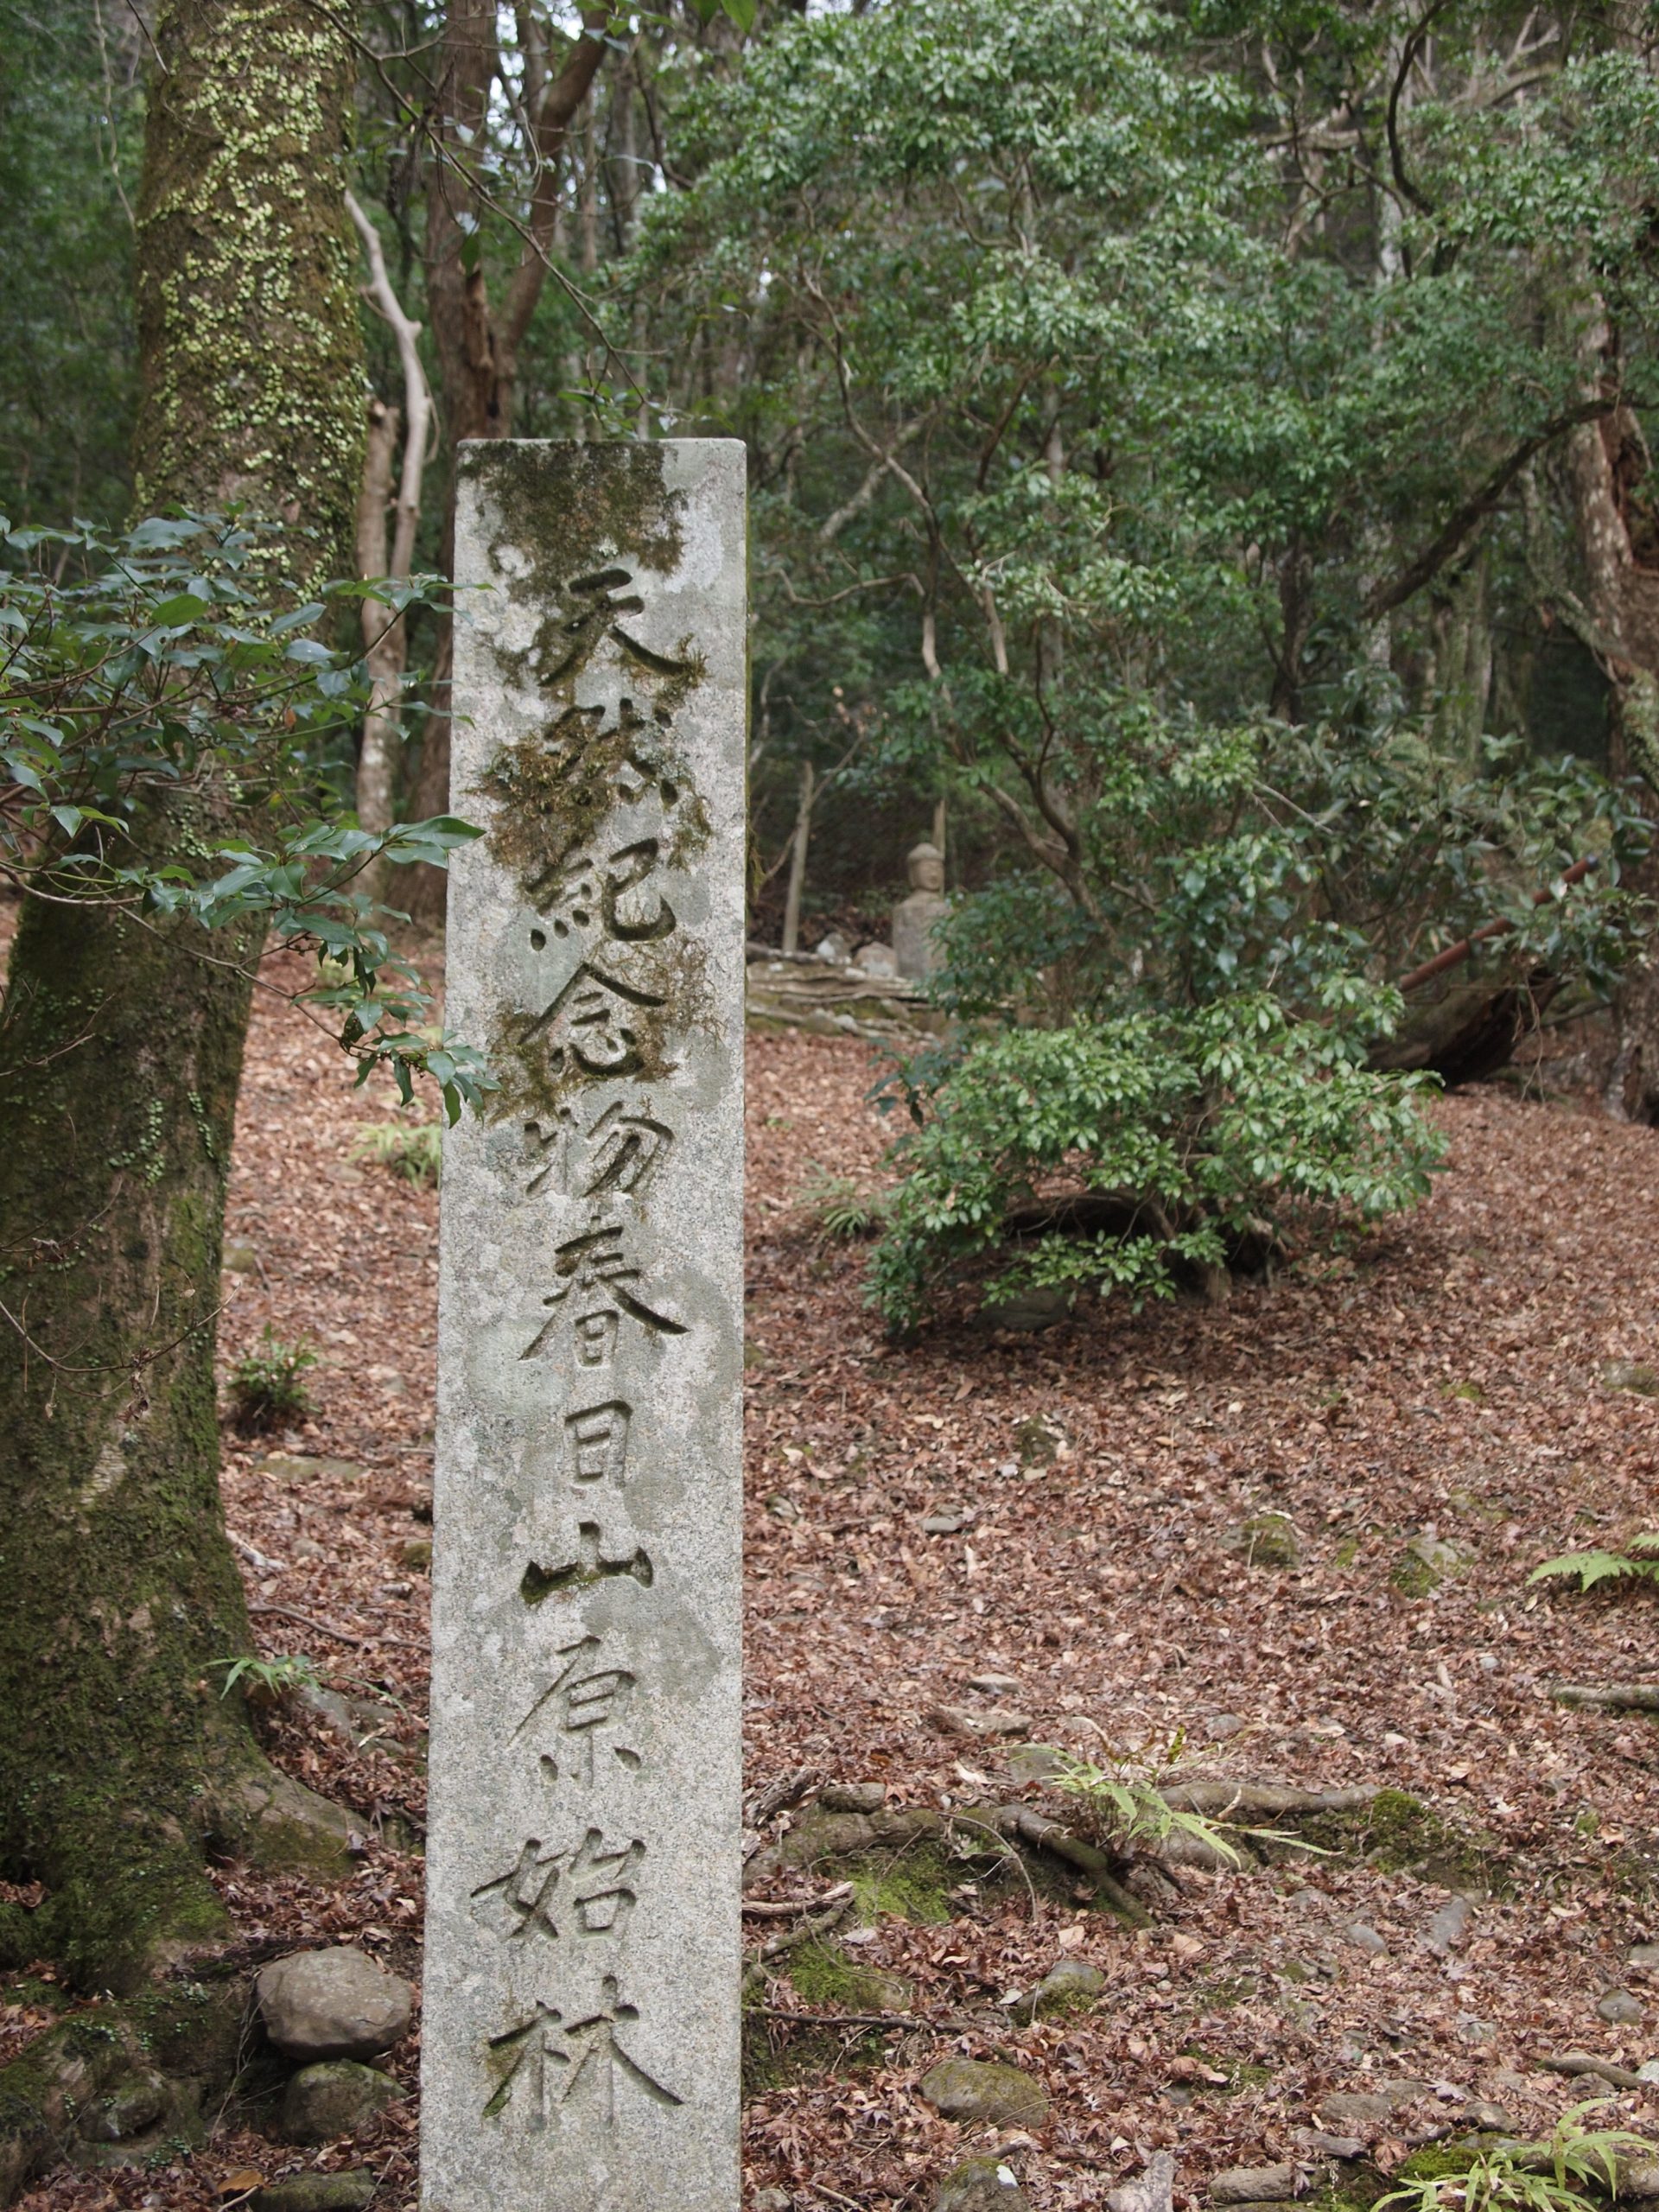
<point x="1383" y="597"/>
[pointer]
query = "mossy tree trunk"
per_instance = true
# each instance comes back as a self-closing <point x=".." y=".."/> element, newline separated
<point x="121" y="1048"/>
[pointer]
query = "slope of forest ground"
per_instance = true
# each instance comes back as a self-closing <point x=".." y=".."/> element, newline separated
<point x="1456" y="1381"/>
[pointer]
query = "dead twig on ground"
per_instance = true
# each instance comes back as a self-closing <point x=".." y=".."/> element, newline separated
<point x="761" y="1908"/>
<point x="333" y="1628"/>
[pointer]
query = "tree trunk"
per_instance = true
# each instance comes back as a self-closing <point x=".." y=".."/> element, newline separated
<point x="383" y="642"/>
<point x="1618" y="537"/>
<point x="121" y="1046"/>
<point x="476" y="341"/>
<point x="797" y="883"/>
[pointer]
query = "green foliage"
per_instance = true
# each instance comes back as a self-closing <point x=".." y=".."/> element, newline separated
<point x="1236" y="1122"/>
<point x="1638" y="1562"/>
<point x="841" y="1208"/>
<point x="164" y="669"/>
<point x="270" y="1682"/>
<point x="265" y="1386"/>
<point x="1554" y="2176"/>
<point x="411" y="1149"/>
<point x="1094" y="459"/>
<point x="71" y="121"/>
<point x="1128" y="1809"/>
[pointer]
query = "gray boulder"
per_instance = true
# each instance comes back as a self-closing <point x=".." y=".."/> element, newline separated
<point x="334" y="2004"/>
<point x="982" y="2088"/>
<point x="335" y="2097"/>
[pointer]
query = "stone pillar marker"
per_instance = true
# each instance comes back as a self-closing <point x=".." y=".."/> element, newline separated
<point x="580" y="2030"/>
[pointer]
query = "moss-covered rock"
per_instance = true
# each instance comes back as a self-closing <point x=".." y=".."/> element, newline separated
<point x="983" y="2088"/>
<point x="828" y="1978"/>
<point x="1265" y="1539"/>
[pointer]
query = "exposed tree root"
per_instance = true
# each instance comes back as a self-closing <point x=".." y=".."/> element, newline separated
<point x="1578" y="2062"/>
<point x="1043" y="1834"/>
<point x="792" y="1939"/>
<point x="1263" y="1800"/>
<point x="1609" y="1697"/>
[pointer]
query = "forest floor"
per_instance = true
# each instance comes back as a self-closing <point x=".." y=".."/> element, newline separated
<point x="1461" y="1379"/>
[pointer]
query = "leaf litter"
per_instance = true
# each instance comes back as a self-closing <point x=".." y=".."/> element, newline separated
<point x="1055" y="1525"/>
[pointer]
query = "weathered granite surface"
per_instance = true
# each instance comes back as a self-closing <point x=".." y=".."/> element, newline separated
<point x="580" y="2034"/>
<point x="914" y="947"/>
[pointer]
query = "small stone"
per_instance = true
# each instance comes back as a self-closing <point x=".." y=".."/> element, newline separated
<point x="1479" y="2114"/>
<point x="1427" y="1561"/>
<point x="1354" y="2108"/>
<point x="880" y="1990"/>
<point x="961" y="1720"/>
<point x="1645" y="1956"/>
<point x="1220" y="1726"/>
<point x="1648" y="2070"/>
<point x="315" y="2192"/>
<point x="331" y="1708"/>
<point x="980" y="2185"/>
<point x="241" y="1260"/>
<point x="1620" y="2008"/>
<point x="1640" y="2178"/>
<point x="302" y="1467"/>
<point x="338" y="2097"/>
<point x="1265" y="1539"/>
<point x="1476" y="2032"/>
<point x="783" y="1507"/>
<point x="416" y="1554"/>
<point x="1068" y="1983"/>
<point x="994" y="1685"/>
<point x="876" y="960"/>
<point x="1035" y="1761"/>
<point x="772" y="2200"/>
<point x="333" y="2004"/>
<point x="1364" y="1937"/>
<point x="1314" y="2143"/>
<point x="1403" y="2089"/>
<point x="126" y="2110"/>
<point x="1039" y="1443"/>
<point x="980" y="2089"/>
<point x="854" y="1796"/>
<point x="1253" y="2184"/>
<point x="835" y="947"/>
<point x="1631" y="1375"/>
<point x="946" y="1522"/>
<point x="1449" y="1926"/>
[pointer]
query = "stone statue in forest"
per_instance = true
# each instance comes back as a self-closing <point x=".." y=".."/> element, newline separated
<point x="915" y="947"/>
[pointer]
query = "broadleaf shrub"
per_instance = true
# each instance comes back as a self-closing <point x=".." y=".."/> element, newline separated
<point x="1234" y="1124"/>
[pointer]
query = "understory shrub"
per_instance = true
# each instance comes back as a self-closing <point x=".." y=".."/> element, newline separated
<point x="1188" y="1139"/>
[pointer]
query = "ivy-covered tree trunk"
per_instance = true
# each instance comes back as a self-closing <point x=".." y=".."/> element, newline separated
<point x="121" y="1042"/>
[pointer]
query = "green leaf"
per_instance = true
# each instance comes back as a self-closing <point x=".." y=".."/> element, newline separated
<point x="180" y="612"/>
